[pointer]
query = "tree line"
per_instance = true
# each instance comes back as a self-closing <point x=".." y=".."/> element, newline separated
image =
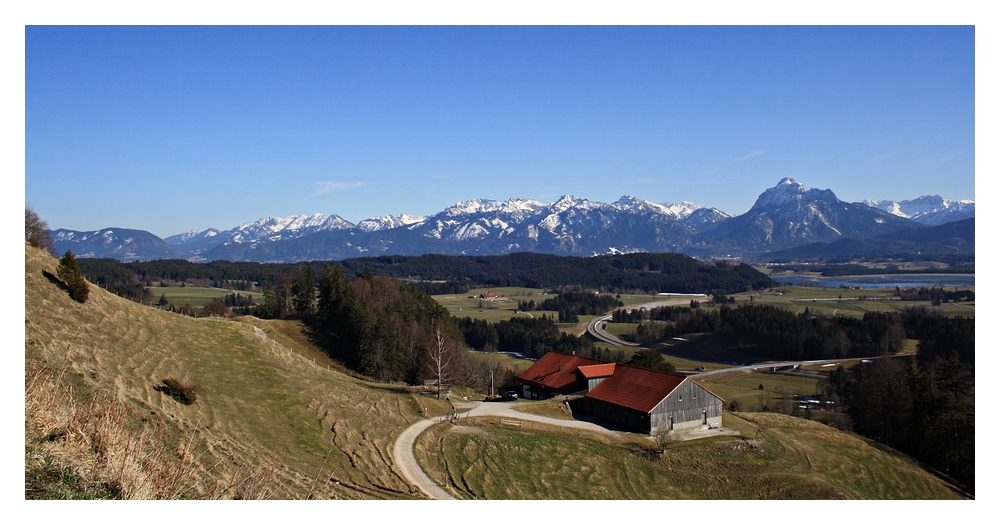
<point x="771" y="332"/>
<point x="629" y="273"/>
<point x="924" y="409"/>
<point x="531" y="337"/>
<point x="571" y="305"/>
<point x="935" y="294"/>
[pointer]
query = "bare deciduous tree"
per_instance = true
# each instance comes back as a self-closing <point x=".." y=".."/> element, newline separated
<point x="36" y="231"/>
<point x="440" y="362"/>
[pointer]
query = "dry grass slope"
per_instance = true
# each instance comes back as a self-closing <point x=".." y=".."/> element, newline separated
<point x="267" y="421"/>
<point x="776" y="457"/>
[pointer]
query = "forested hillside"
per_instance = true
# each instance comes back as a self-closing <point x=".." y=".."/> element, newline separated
<point x="636" y="273"/>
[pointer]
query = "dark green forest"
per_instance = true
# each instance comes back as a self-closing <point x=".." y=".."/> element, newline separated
<point x="434" y="274"/>
<point x="531" y="337"/>
<point x="923" y="408"/>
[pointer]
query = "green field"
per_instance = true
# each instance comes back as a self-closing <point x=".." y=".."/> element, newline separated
<point x="745" y="389"/>
<point x="505" y="360"/>
<point x="631" y="299"/>
<point x="194" y="295"/>
<point x="775" y="457"/>
<point x="502" y="309"/>
<point x="835" y="301"/>
<point x="683" y="364"/>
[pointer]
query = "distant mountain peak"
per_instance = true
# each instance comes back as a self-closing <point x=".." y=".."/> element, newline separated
<point x="388" y="222"/>
<point x="930" y="210"/>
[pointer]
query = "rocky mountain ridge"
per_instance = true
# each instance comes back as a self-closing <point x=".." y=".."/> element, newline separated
<point x="784" y="216"/>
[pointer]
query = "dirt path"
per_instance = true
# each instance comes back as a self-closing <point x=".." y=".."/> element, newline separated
<point x="402" y="453"/>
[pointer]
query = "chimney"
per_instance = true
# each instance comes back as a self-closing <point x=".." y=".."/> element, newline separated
<point x="560" y="368"/>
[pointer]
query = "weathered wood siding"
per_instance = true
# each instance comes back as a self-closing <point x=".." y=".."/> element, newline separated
<point x="689" y="404"/>
<point x="591" y="383"/>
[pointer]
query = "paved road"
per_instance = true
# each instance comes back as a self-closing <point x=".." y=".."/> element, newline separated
<point x="781" y="364"/>
<point x="596" y="327"/>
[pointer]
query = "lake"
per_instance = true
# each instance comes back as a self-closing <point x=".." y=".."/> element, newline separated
<point x="912" y="280"/>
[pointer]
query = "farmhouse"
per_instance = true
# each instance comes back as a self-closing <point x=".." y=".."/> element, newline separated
<point x="554" y="374"/>
<point x="629" y="396"/>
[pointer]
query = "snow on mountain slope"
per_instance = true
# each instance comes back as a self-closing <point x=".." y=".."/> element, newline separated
<point x="388" y="222"/>
<point x="931" y="210"/>
<point x="790" y="214"/>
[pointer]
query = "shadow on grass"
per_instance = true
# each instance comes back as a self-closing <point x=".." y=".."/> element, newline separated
<point x="55" y="280"/>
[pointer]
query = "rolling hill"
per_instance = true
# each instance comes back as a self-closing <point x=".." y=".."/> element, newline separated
<point x="103" y="421"/>
<point x="267" y="421"/>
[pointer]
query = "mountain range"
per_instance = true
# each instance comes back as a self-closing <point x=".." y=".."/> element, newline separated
<point x="784" y="217"/>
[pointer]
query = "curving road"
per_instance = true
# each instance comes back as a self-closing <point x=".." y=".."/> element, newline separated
<point x="402" y="453"/>
<point x="596" y="327"/>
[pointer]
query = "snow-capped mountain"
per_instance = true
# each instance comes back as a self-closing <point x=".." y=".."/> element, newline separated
<point x="267" y="229"/>
<point x="785" y="216"/>
<point x="115" y="243"/>
<point x="278" y="228"/>
<point x="388" y="222"/>
<point x="931" y="210"/>
<point x="704" y="219"/>
<point x="682" y="209"/>
<point x="790" y="214"/>
<point x="195" y="242"/>
<point x="571" y="225"/>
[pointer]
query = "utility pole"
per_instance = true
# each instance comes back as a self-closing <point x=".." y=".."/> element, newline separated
<point x="491" y="383"/>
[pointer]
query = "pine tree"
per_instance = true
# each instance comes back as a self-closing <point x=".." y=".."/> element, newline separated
<point x="70" y="273"/>
<point x="304" y="290"/>
<point x="268" y="309"/>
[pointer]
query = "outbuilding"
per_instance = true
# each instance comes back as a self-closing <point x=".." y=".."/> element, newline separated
<point x="628" y="396"/>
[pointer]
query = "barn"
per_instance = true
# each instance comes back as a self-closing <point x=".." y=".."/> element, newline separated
<point x="628" y="396"/>
<point x="554" y="374"/>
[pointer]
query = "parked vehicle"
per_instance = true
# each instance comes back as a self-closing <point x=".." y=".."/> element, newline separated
<point x="510" y="395"/>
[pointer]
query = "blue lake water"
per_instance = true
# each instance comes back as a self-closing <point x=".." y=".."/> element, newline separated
<point x="914" y="280"/>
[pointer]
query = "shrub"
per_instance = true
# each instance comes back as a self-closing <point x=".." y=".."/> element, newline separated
<point x="70" y="273"/>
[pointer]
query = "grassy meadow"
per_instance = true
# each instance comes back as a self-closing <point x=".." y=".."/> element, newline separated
<point x="775" y="457"/>
<point x="745" y="389"/>
<point x="462" y="305"/>
<point x="194" y="295"/>
<point x="835" y="301"/>
<point x="268" y="422"/>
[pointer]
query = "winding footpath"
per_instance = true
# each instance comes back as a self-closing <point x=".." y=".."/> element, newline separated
<point x="402" y="453"/>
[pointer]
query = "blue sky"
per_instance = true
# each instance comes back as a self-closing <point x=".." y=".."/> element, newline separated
<point x="169" y="129"/>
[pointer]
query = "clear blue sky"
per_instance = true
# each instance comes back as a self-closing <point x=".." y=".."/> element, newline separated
<point x="169" y="129"/>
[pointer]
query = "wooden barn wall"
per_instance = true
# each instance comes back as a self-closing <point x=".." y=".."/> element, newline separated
<point x="591" y="383"/>
<point x="685" y="406"/>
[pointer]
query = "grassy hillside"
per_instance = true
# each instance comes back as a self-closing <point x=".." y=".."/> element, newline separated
<point x="776" y="457"/>
<point x="267" y="421"/>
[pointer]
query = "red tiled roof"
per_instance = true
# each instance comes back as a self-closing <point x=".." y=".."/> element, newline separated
<point x="602" y="370"/>
<point x="636" y="388"/>
<point x="546" y="371"/>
